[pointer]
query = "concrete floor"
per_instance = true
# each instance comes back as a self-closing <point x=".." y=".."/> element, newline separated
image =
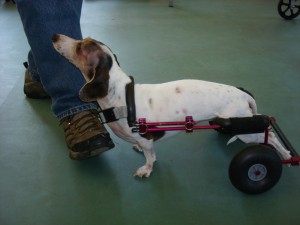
<point x="242" y="43"/>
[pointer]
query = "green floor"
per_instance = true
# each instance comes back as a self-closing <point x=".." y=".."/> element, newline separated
<point x="242" y="43"/>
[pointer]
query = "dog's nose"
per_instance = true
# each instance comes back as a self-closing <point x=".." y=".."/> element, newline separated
<point x="55" y="38"/>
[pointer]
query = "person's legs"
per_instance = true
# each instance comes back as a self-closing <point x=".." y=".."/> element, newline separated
<point x="33" y="87"/>
<point x="33" y="68"/>
<point x="62" y="81"/>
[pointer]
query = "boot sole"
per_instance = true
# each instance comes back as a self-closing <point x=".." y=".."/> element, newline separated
<point x="88" y="154"/>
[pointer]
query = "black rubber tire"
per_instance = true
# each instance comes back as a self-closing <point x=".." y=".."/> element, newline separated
<point x="256" y="169"/>
<point x="285" y="10"/>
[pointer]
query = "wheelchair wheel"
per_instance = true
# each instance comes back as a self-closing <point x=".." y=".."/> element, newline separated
<point x="288" y="9"/>
<point x="255" y="169"/>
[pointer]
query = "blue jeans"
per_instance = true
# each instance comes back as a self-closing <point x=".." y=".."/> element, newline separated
<point x="61" y="80"/>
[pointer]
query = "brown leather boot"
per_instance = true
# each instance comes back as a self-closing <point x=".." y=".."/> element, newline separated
<point x="33" y="89"/>
<point x="85" y="135"/>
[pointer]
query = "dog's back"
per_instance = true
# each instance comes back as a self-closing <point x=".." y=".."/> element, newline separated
<point x="201" y="99"/>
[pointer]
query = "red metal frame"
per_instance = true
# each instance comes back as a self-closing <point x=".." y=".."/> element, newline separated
<point x="189" y="125"/>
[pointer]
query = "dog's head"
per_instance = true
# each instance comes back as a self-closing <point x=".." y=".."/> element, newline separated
<point x="92" y="58"/>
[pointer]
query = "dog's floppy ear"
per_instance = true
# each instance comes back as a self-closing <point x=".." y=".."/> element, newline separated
<point x="97" y="87"/>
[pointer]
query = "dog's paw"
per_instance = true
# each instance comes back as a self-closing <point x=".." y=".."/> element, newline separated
<point x="137" y="148"/>
<point x="143" y="171"/>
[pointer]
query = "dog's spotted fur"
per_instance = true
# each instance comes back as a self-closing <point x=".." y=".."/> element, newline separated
<point x="171" y="101"/>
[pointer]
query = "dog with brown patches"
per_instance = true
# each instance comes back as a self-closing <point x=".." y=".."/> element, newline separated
<point x="171" y="101"/>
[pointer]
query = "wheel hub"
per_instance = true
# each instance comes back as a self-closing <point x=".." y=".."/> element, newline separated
<point x="257" y="172"/>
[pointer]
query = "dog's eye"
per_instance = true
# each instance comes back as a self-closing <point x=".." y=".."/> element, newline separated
<point x="90" y="74"/>
<point x="78" y="47"/>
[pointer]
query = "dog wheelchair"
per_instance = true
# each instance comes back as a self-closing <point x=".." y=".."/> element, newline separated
<point x="255" y="169"/>
<point x="288" y="9"/>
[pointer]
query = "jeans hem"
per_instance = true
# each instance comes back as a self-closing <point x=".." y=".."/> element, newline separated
<point x="76" y="110"/>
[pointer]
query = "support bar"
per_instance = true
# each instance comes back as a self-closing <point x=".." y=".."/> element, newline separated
<point x="282" y="137"/>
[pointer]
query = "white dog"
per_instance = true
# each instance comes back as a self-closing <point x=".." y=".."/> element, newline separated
<point x="171" y="101"/>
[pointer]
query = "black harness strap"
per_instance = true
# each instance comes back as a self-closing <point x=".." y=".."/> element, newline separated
<point x="128" y="111"/>
<point x="130" y="103"/>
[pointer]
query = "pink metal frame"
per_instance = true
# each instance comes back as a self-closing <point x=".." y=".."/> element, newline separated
<point x="189" y="125"/>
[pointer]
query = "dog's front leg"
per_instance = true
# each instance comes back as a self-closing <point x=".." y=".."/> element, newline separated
<point x="149" y="153"/>
<point x="137" y="148"/>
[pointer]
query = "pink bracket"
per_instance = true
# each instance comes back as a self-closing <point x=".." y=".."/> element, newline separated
<point x="142" y="127"/>
<point x="189" y="124"/>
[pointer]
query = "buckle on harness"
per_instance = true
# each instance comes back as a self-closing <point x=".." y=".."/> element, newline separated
<point x="113" y="114"/>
